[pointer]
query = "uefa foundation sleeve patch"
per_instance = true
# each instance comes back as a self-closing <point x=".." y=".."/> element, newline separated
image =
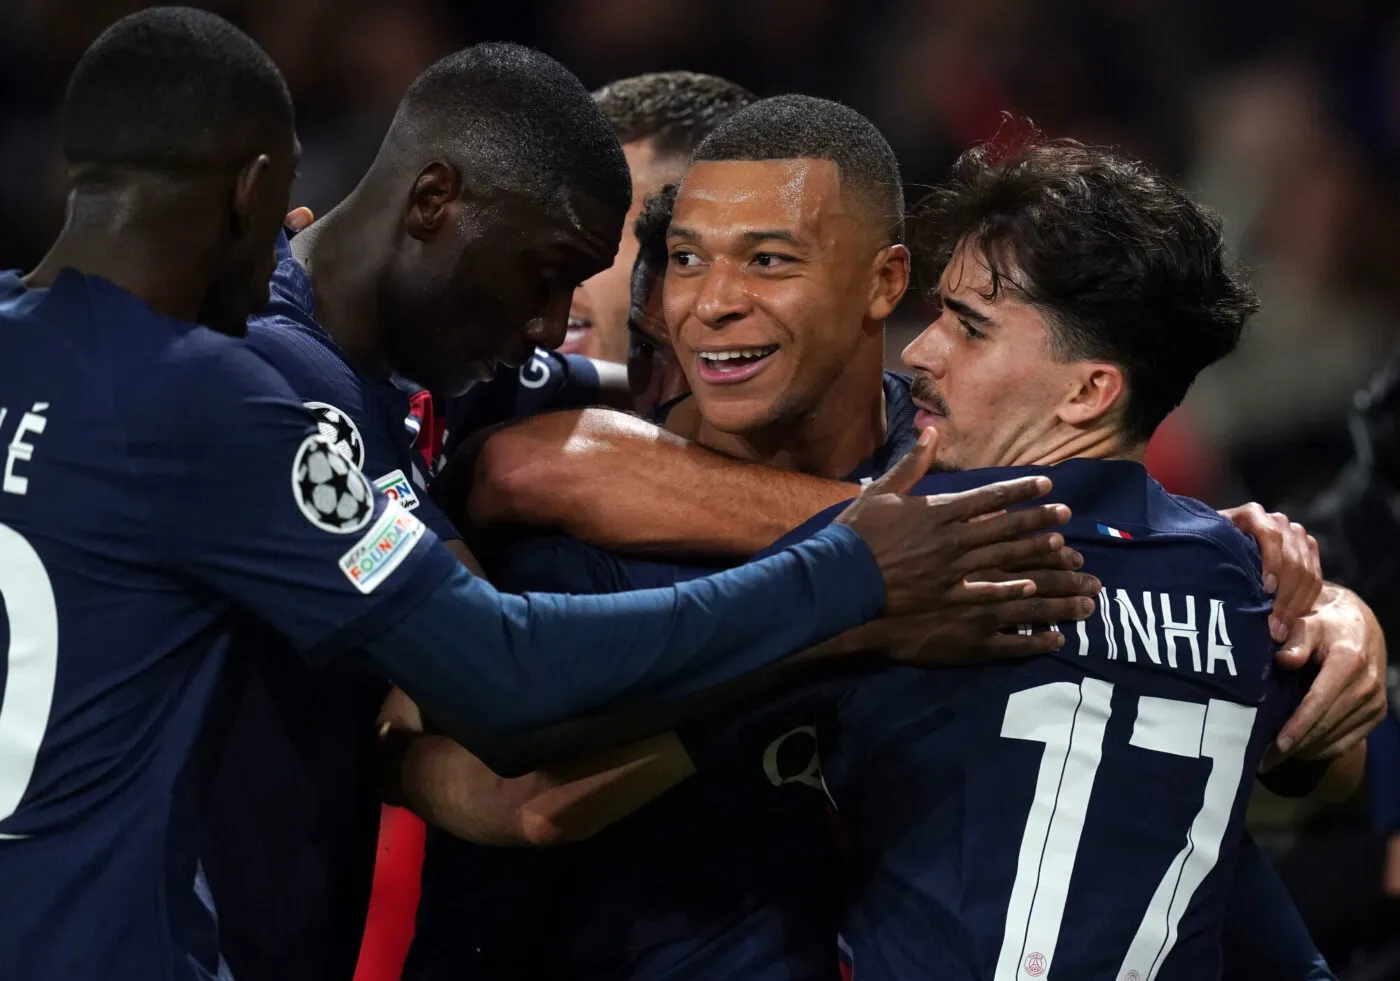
<point x="373" y="558"/>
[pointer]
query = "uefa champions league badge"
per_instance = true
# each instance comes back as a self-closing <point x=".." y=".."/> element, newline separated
<point x="333" y="494"/>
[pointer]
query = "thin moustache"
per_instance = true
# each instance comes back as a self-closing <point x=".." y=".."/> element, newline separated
<point x="923" y="392"/>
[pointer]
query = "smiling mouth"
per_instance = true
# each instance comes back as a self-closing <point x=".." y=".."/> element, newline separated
<point x="733" y="364"/>
<point x="576" y="334"/>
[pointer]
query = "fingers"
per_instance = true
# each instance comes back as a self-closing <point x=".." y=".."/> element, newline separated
<point x="1064" y="558"/>
<point x="1331" y="683"/>
<point x="298" y="219"/>
<point x="1002" y="555"/>
<point x="984" y="591"/>
<point x="1001" y="646"/>
<point x="1254" y="521"/>
<point x="1014" y="524"/>
<point x="993" y="497"/>
<point x="1303" y="638"/>
<point x="1058" y="582"/>
<point x="901" y="477"/>
<point x="1039" y="610"/>
<point x="1300" y="578"/>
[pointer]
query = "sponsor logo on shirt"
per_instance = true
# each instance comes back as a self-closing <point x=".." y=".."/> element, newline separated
<point x="397" y="487"/>
<point x="374" y="557"/>
<point x="339" y="430"/>
<point x="535" y="372"/>
<point x="330" y="491"/>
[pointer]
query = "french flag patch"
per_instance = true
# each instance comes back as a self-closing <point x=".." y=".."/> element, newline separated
<point x="1114" y="532"/>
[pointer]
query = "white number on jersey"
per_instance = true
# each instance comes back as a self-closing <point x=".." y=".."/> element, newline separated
<point x="1070" y="720"/>
<point x="32" y="665"/>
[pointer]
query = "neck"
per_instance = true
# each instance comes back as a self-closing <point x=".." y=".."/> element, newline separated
<point x="345" y="274"/>
<point x="828" y="439"/>
<point x="118" y="234"/>
<point x="1074" y="444"/>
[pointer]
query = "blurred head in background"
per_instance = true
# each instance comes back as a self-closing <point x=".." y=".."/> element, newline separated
<point x="660" y="119"/>
<point x="653" y="373"/>
<point x="498" y="187"/>
<point x="1080" y="294"/>
<point x="785" y="261"/>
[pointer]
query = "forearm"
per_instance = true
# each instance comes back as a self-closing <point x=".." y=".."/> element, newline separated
<point x="486" y="664"/>
<point x="451" y="789"/>
<point x="617" y="481"/>
<point x="1343" y="777"/>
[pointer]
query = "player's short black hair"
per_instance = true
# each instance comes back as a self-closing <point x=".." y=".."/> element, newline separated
<point x="673" y="110"/>
<point x="650" y="265"/>
<point x="172" y="89"/>
<point x="518" y="117"/>
<point x="1124" y="265"/>
<point x="802" y="127"/>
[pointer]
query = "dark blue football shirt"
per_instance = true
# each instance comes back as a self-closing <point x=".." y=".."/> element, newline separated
<point x="296" y="816"/>
<point x="548" y="381"/>
<point x="1078" y="813"/>
<point x="137" y="525"/>
<point x="734" y="874"/>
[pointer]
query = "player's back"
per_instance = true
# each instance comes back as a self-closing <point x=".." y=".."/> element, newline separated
<point x="111" y="659"/>
<point x="1073" y="816"/>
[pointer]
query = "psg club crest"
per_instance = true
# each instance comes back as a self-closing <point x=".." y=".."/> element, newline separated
<point x="340" y="431"/>
<point x="333" y="494"/>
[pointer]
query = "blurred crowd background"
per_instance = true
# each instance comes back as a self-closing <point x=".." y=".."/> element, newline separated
<point x="1284" y="115"/>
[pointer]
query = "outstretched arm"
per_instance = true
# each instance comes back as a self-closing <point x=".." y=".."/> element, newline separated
<point x="613" y="480"/>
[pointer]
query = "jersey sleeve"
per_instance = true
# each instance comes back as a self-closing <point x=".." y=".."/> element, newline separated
<point x="259" y="506"/>
<point x="560" y="564"/>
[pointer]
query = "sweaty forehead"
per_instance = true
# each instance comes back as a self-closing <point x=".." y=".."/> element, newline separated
<point x="736" y="196"/>
<point x="563" y="222"/>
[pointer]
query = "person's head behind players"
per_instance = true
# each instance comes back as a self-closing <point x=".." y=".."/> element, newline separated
<point x="653" y="373"/>
<point x="785" y="261"/>
<point x="1081" y="293"/>
<point x="660" y="119"/>
<point x="178" y="128"/>
<point x="506" y="188"/>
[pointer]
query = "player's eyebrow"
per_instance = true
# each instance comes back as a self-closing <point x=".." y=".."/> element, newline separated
<point x="768" y="235"/>
<point x="751" y="237"/>
<point x="965" y="311"/>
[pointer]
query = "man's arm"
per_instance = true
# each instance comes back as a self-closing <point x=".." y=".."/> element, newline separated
<point x="1348" y="698"/>
<point x="622" y="483"/>
<point x="449" y="787"/>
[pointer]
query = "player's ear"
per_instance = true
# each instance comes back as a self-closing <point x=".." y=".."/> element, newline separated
<point x="248" y="189"/>
<point x="1095" y="388"/>
<point x="889" y="280"/>
<point x="432" y="204"/>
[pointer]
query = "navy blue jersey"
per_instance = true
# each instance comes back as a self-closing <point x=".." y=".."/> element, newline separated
<point x="161" y="483"/>
<point x="296" y="814"/>
<point x="549" y="381"/>
<point x="733" y="874"/>
<point x="1076" y="815"/>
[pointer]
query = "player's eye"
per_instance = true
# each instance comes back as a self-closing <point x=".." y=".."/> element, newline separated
<point x="973" y="334"/>
<point x="772" y="260"/>
<point x="684" y="259"/>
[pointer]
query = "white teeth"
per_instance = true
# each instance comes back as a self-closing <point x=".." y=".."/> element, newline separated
<point x="741" y="352"/>
<point x="577" y="322"/>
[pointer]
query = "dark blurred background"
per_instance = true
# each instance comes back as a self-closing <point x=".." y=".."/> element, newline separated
<point x="1282" y="114"/>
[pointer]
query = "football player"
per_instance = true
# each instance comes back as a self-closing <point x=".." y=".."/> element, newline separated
<point x="165" y="493"/>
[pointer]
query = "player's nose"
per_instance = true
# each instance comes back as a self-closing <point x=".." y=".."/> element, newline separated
<point x="551" y="326"/>
<point x="722" y="297"/>
<point x="927" y="352"/>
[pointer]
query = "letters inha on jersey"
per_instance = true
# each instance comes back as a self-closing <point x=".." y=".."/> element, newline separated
<point x="1161" y="627"/>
